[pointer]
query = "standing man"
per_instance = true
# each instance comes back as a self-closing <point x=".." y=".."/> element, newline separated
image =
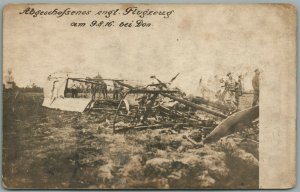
<point x="230" y="85"/>
<point x="104" y="89"/>
<point x="221" y="93"/>
<point x="255" y="85"/>
<point x="9" y="81"/>
<point x="9" y="92"/>
<point x="238" y="90"/>
<point x="94" y="89"/>
<point x="74" y="89"/>
<point x="116" y="91"/>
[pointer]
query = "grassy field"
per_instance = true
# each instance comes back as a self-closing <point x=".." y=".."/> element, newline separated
<point x="45" y="148"/>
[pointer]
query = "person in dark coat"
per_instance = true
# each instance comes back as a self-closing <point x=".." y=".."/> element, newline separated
<point x="255" y="85"/>
<point x="238" y="90"/>
<point x="104" y="89"/>
<point x="116" y="91"/>
<point x="94" y="89"/>
<point x="74" y="90"/>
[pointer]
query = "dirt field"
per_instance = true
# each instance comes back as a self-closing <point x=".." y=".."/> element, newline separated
<point x="44" y="148"/>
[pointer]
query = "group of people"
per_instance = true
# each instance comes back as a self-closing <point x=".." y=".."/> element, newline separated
<point x="233" y="90"/>
<point x="99" y="88"/>
<point x="92" y="88"/>
<point x="117" y="91"/>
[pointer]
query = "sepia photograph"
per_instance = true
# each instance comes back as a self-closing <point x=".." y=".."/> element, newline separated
<point x="134" y="96"/>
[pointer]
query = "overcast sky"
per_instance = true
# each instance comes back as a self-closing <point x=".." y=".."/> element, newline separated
<point x="197" y="42"/>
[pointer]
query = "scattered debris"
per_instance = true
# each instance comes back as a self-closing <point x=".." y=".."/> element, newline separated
<point x="164" y="140"/>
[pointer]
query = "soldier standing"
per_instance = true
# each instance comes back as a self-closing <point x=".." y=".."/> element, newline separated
<point x="9" y="81"/>
<point x="9" y="92"/>
<point x="104" y="89"/>
<point x="230" y="85"/>
<point x="238" y="91"/>
<point x="116" y="91"/>
<point x="255" y="85"/>
<point x="94" y="91"/>
<point x="74" y="89"/>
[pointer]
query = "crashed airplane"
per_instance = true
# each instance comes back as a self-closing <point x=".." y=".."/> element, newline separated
<point x="144" y="107"/>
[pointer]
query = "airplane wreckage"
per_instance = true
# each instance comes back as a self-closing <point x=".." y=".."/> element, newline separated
<point x="150" y="106"/>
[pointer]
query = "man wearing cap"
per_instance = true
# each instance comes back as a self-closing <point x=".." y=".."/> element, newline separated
<point x="255" y="85"/>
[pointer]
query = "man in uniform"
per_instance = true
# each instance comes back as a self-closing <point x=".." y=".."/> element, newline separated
<point x="74" y="89"/>
<point x="238" y="90"/>
<point x="230" y="85"/>
<point x="94" y="90"/>
<point x="255" y="85"/>
<point x="9" y="92"/>
<point x="104" y="89"/>
<point x="9" y="81"/>
<point x="116" y="90"/>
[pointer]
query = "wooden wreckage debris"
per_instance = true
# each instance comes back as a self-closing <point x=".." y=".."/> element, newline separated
<point x="193" y="105"/>
<point x="149" y="113"/>
<point x="207" y="103"/>
<point x="223" y="129"/>
<point x="165" y="93"/>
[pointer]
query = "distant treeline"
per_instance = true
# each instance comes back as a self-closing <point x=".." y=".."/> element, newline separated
<point x="32" y="88"/>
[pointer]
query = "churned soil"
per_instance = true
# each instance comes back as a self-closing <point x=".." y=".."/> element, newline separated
<point x="46" y="148"/>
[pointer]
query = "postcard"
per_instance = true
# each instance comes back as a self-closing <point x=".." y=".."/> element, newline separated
<point x="149" y="96"/>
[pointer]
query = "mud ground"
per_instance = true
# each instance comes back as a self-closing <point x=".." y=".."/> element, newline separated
<point x="45" y="148"/>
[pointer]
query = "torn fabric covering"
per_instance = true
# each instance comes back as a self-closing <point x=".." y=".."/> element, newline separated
<point x="55" y="88"/>
<point x="54" y="96"/>
<point x="67" y="104"/>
